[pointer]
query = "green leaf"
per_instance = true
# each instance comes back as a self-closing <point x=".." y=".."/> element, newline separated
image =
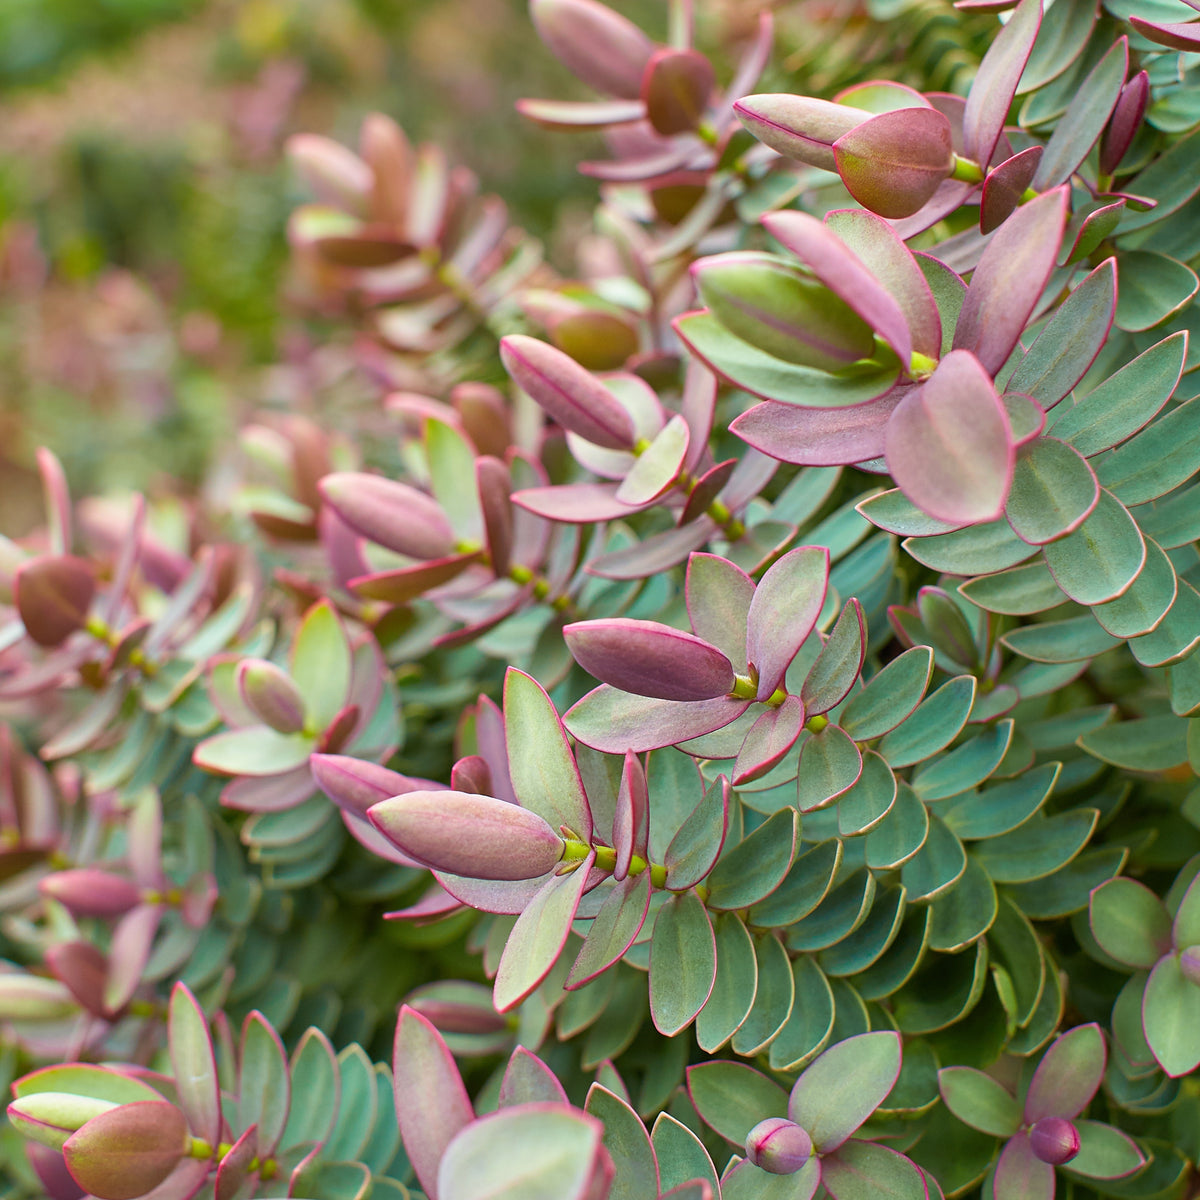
<point x="830" y="763"/>
<point x="942" y="992"/>
<point x="933" y="726"/>
<point x="1019" y="591"/>
<point x="1148" y="744"/>
<point x="544" y="775"/>
<point x="316" y="1090"/>
<point x="965" y="767"/>
<point x="844" y="1086"/>
<point x="1067" y="889"/>
<point x="1002" y="808"/>
<point x="837" y="916"/>
<point x="1169" y="1016"/>
<point x="617" y="924"/>
<point x="937" y="866"/>
<point x="955" y="1154"/>
<point x="1177" y="634"/>
<point x="870" y="940"/>
<point x="1102" y="558"/>
<point x="1073" y="640"/>
<point x="193" y="1065"/>
<point x="1156" y="461"/>
<point x="83" y="1079"/>
<point x="1185" y="929"/>
<point x="900" y="834"/>
<point x="833" y="674"/>
<point x="804" y="887"/>
<point x="696" y="846"/>
<point x="1149" y="598"/>
<point x="773" y="998"/>
<point x="1014" y="947"/>
<point x="899" y="964"/>
<point x="360" y="1103"/>
<point x="683" y="963"/>
<point x="978" y="1100"/>
<point x="626" y="1140"/>
<point x="734" y="988"/>
<point x="1150" y="288"/>
<point x="264" y="1084"/>
<point x="451" y="465"/>
<point x="732" y="1098"/>
<point x="966" y="912"/>
<point x="254" y="751"/>
<point x="866" y="804"/>
<point x="890" y="696"/>
<point x="1038" y="847"/>
<point x="1053" y="491"/>
<point x="1104" y="1152"/>
<point x="1130" y="923"/>
<point x="976" y="550"/>
<point x="535" y="941"/>
<point x="808" y="1028"/>
<point x="681" y="1155"/>
<point x="869" y="1171"/>
<point x="757" y="865"/>
<point x="321" y="664"/>
<point x="896" y="513"/>
<point x="745" y="1181"/>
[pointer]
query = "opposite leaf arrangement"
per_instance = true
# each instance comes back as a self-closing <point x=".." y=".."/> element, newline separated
<point x="746" y="722"/>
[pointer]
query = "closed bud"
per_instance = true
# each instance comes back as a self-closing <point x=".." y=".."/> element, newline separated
<point x="90" y="892"/>
<point x="597" y="45"/>
<point x="782" y="311"/>
<point x="51" y="1117"/>
<point x="354" y="784"/>
<point x="1054" y="1140"/>
<point x="53" y="594"/>
<point x="1124" y="123"/>
<point x="779" y="1146"/>
<point x="1189" y="964"/>
<point x="464" y="834"/>
<point x="271" y="695"/>
<point x="129" y="1150"/>
<point x="799" y="127"/>
<point x="390" y="514"/>
<point x="650" y="659"/>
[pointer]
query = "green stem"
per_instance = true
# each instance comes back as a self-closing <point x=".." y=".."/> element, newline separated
<point x="966" y="171"/>
<point x="606" y="859"/>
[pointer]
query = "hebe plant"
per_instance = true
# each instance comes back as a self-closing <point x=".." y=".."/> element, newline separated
<point x="769" y="658"/>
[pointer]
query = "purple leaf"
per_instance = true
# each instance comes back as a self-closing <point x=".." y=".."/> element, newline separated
<point x="409" y="583"/>
<point x="1068" y="1076"/>
<point x="1019" y="1172"/>
<point x="770" y="738"/>
<point x="895" y="162"/>
<point x="571" y="395"/>
<point x="494" y="484"/>
<point x="650" y="659"/>
<point x="949" y="445"/>
<point x="1179" y="35"/>
<point x="839" y="662"/>
<point x="675" y="90"/>
<point x="479" y="837"/>
<point x="786" y="604"/>
<point x="271" y="695"/>
<point x="996" y="82"/>
<point x="1008" y="282"/>
<point x="58" y="500"/>
<point x="597" y="45"/>
<point x="819" y="437"/>
<point x="128" y="1151"/>
<point x="128" y="953"/>
<point x="1125" y="122"/>
<point x="718" y="596"/>
<point x="234" y="1168"/>
<point x="631" y="818"/>
<point x="390" y="514"/>
<point x="586" y="114"/>
<point x="431" y="1103"/>
<point x="91" y="892"/>
<point x="614" y="929"/>
<point x="697" y="405"/>
<point x="799" y="127"/>
<point x="707" y="488"/>
<point x="52" y="594"/>
<point x="613" y="721"/>
<point x="354" y="785"/>
<point x="574" y="503"/>
<point x="1004" y="186"/>
<point x="839" y="269"/>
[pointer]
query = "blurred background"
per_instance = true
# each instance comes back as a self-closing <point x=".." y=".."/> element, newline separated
<point x="144" y="295"/>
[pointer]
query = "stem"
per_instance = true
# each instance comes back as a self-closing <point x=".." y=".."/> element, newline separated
<point x="606" y="860"/>
<point x="966" y="171"/>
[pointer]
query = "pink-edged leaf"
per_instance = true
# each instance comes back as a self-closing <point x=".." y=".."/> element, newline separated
<point x="471" y="774"/>
<point x="949" y="444"/>
<point x="354" y="784"/>
<point x="1054" y="490"/>
<point x="527" y="1080"/>
<point x="708" y="487"/>
<point x="389" y="513"/>
<point x="571" y="395"/>
<point x="410" y="583"/>
<point x="675" y="90"/>
<point x="631" y="818"/>
<point x="1020" y="1174"/>
<point x="490" y="738"/>
<point x="839" y="662"/>
<point x="698" y="404"/>
<point x="799" y="127"/>
<point x="144" y="839"/>
<point x="51" y="1170"/>
<point x="719" y="595"/>
<point x="52" y="594"/>
<point x="1008" y="282"/>
<point x="435" y="902"/>
<point x="91" y="892"/>
<point x="1125" y="122"/>
<point x="650" y="659"/>
<point x="58" y="500"/>
<point x="255" y="751"/>
<point x="613" y="721"/>
<point x="819" y="437"/>
<point x="235" y="1166"/>
<point x="1068" y="1076"/>
<point x="697" y="844"/>
<point x="1004" y="186"/>
<point x="683" y="963"/>
<point x="574" y="503"/>
<point x="657" y="467"/>
<point x="269" y="793"/>
<point x="1178" y="35"/>
<point x="494" y="483"/>
<point x="996" y="82"/>
<point x="271" y="695"/>
<point x="507" y="897"/>
<point x="432" y="1104"/>
<point x="537" y="939"/>
<point x="605" y="50"/>
<point x="614" y="929"/>
<point x="895" y="162"/>
<point x="544" y="774"/>
<point x="581" y="114"/>
<point x="128" y="954"/>
<point x="659" y="552"/>
<point x="860" y="1169"/>
<point x="194" y="1065"/>
<point x="786" y="604"/>
<point x="769" y="739"/>
<point x="819" y="247"/>
<point x="127" y="1151"/>
<point x="890" y="261"/>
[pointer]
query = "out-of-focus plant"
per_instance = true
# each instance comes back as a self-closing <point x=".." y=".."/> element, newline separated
<point x="739" y="700"/>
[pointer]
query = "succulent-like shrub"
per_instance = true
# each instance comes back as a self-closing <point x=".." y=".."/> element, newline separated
<point x="767" y="659"/>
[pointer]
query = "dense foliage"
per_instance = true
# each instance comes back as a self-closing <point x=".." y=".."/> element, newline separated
<point x="741" y="702"/>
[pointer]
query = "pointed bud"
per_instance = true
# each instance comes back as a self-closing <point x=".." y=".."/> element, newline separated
<point x="475" y="836"/>
<point x="90" y="892"/>
<point x="128" y="1151"/>
<point x="650" y="659"/>
<point x="573" y="396"/>
<point x="271" y="695"/>
<point x="390" y="514"/>
<point x="1124" y="123"/>
<point x="51" y="1117"/>
<point x="799" y="127"/>
<point x="779" y="1146"/>
<point x="599" y="46"/>
<point x="893" y="163"/>
<point x="1189" y="964"/>
<point x="782" y="311"/>
<point x="53" y="594"/>
<point x="1054" y="1140"/>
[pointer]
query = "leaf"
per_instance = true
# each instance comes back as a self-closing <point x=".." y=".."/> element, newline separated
<point x="1068" y="1076"/>
<point x="681" y="1155"/>
<point x="734" y="988"/>
<point x="531" y="1150"/>
<point x="256" y="752"/>
<point x="869" y="1171"/>
<point x="870" y="941"/>
<point x="773" y="998"/>
<point x="818" y="436"/>
<point x="1019" y="1173"/>
<point x="719" y="595"/>
<point x="756" y="866"/>
<point x="768" y="740"/>
<point x="1002" y="808"/>
<point x="838" y="664"/>
<point x="804" y="887"/>
<point x="264" y="1083"/>
<point x="1053" y="491"/>
<point x="1142" y="608"/>
<point x="976" y="550"/>
<point x="1130" y="923"/>
<point x="657" y="468"/>
<point x="1038" y="847"/>
<point x="683" y="963"/>
<point x="544" y="775"/>
<point x="901" y="833"/>
<point x="127" y="1151"/>
<point x="676" y="87"/>
<point x="1151" y="286"/>
<point x="830" y="764"/>
<point x="978" y="1100"/>
<point x="866" y="804"/>
<point x="1157" y="460"/>
<point x="697" y="845"/>
<point x="965" y="767"/>
<point x="535" y="941"/>
<point x="193" y="1065"/>
<point x="1004" y="186"/>
<point x="316" y="1090"/>
<point x="585" y="114"/>
<point x="889" y="696"/>
<point x="1102" y="558"/>
<point x="52" y="594"/>
<point x="936" y="866"/>
<point x="1168" y="1016"/>
<point x="844" y="1086"/>
<point x="1176" y="635"/>
<point x="932" y="726"/>
<point x="732" y="1098"/>
<point x="626" y="1140"/>
<point x="786" y="604"/>
<point x="1104" y="1152"/>
<point x="614" y="930"/>
<point x="1148" y="744"/>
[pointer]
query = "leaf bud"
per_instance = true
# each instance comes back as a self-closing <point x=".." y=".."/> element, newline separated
<point x="599" y="46"/>
<point x="271" y="695"/>
<point x="91" y="892"/>
<point x="51" y="1117"/>
<point x="650" y="659"/>
<point x="799" y="127"/>
<point x="779" y="1146"/>
<point x="390" y="514"/>
<point x="1054" y="1140"/>
<point x="129" y="1150"/>
<point x="479" y="837"/>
